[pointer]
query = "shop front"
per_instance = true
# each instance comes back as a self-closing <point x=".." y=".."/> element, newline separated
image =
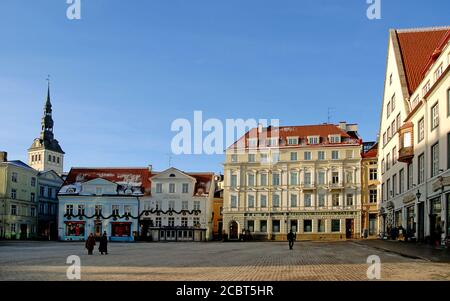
<point x="75" y="230"/>
<point x="435" y="221"/>
<point x="121" y="231"/>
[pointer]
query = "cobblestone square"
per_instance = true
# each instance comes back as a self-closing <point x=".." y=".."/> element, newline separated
<point x="213" y="261"/>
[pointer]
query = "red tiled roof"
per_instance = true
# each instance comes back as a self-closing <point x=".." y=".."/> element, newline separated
<point x="139" y="176"/>
<point x="372" y="152"/>
<point x="417" y="48"/>
<point x="304" y="131"/>
<point x="204" y="182"/>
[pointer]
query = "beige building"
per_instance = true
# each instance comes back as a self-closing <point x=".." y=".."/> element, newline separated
<point x="413" y="155"/>
<point x="18" y="199"/>
<point x="369" y="192"/>
<point x="304" y="178"/>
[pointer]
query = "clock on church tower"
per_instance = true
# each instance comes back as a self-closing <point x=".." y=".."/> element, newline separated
<point x="45" y="153"/>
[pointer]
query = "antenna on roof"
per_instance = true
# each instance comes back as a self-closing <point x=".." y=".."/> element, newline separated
<point x="329" y="115"/>
<point x="170" y="159"/>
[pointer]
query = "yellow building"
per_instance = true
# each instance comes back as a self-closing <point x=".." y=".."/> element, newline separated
<point x="18" y="199"/>
<point x="304" y="178"/>
<point x="369" y="192"/>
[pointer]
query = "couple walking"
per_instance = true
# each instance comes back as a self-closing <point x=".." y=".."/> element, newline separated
<point x="103" y="247"/>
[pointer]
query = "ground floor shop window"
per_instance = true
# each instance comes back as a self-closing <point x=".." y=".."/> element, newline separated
<point x="263" y="226"/>
<point x="276" y="226"/>
<point x="120" y="229"/>
<point x="410" y="219"/>
<point x="320" y="225"/>
<point x="251" y="226"/>
<point x="435" y="220"/>
<point x="335" y="225"/>
<point x="448" y="214"/>
<point x="398" y="218"/>
<point x="294" y="226"/>
<point x="75" y="229"/>
<point x="307" y="225"/>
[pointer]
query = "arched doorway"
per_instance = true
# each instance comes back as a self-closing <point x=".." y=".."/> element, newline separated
<point x="234" y="230"/>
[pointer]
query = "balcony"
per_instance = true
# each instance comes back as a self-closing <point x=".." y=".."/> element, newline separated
<point x="406" y="154"/>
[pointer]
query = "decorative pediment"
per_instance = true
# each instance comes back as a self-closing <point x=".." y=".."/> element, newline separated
<point x="172" y="173"/>
<point x="409" y="198"/>
<point x="441" y="182"/>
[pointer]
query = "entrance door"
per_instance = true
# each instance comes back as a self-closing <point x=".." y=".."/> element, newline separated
<point x="23" y="231"/>
<point x="372" y="224"/>
<point x="349" y="225"/>
<point x="98" y="229"/>
<point x="219" y="230"/>
<point x="420" y="226"/>
<point x="234" y="230"/>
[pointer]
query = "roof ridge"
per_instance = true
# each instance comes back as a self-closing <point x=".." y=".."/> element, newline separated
<point x="423" y="29"/>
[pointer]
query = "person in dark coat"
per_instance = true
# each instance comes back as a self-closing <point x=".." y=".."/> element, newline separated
<point x="90" y="243"/>
<point x="291" y="239"/>
<point x="103" y="247"/>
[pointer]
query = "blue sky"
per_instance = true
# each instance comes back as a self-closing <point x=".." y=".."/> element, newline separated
<point x="127" y="69"/>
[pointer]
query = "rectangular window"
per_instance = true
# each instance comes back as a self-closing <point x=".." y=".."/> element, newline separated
<point x="276" y="179"/>
<point x="273" y="141"/>
<point x="307" y="200"/>
<point x="421" y="130"/>
<point x="401" y="181"/>
<point x="384" y="139"/>
<point x="388" y="109"/>
<point x="373" y="196"/>
<point x="171" y="205"/>
<point x="321" y="155"/>
<point x="185" y="205"/>
<point x="410" y="176"/>
<point x="313" y="140"/>
<point x="158" y="222"/>
<point x="389" y="133"/>
<point x="383" y="192"/>
<point x="320" y="225"/>
<point x="32" y="197"/>
<point x="435" y="116"/>
<point x="251" y="201"/>
<point x="307" y="178"/>
<point x="185" y="188"/>
<point x="438" y="72"/>
<point x="196" y="222"/>
<point x="184" y="222"/>
<point x="171" y="187"/>
<point x="275" y="200"/>
<point x="383" y="166"/>
<point x="69" y="209"/>
<point x="251" y="158"/>
<point x="349" y="154"/>
<point x="398" y="122"/>
<point x="335" y="139"/>
<point x="81" y="210"/>
<point x="263" y="226"/>
<point x="293" y="200"/>
<point x="292" y="141"/>
<point x="263" y="179"/>
<point x="335" y="155"/>
<point x="275" y="157"/>
<point x="13" y="228"/>
<point x="14" y="177"/>
<point x="13" y="209"/>
<point x="159" y="188"/>
<point x="197" y="205"/>
<point x="253" y="142"/>
<point x="98" y="209"/>
<point x="373" y="174"/>
<point x="233" y="181"/>
<point x="421" y="169"/>
<point x="435" y="160"/>
<point x="393" y="103"/>
<point x="293" y="156"/>
<point x="276" y="226"/>
<point x="307" y="156"/>
<point x="349" y="199"/>
<point x="233" y="201"/>
<point x="335" y="199"/>
<point x="263" y="200"/>
<point x="321" y="177"/>
<point x="307" y="225"/>
<point x="13" y="194"/>
<point x="171" y="222"/>
<point x="321" y="200"/>
<point x="394" y="155"/>
<point x="264" y="158"/>
<point x="251" y="226"/>
<point x="33" y="181"/>
<point x="335" y="225"/>
<point x="115" y="209"/>
<point x="349" y="177"/>
<point x="294" y="178"/>
<point x="234" y="158"/>
<point x="335" y="177"/>
<point x="251" y="180"/>
<point x="394" y="185"/>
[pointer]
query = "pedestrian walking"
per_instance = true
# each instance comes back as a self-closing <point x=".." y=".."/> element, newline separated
<point x="291" y="239"/>
<point x="103" y="247"/>
<point x="90" y="243"/>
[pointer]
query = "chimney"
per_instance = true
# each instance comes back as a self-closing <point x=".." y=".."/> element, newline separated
<point x="3" y="157"/>
<point x="343" y="125"/>
<point x="150" y="167"/>
<point x="260" y="127"/>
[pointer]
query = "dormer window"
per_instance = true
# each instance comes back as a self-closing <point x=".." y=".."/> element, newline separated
<point x="273" y="141"/>
<point x="334" y="138"/>
<point x="292" y="140"/>
<point x="172" y="175"/>
<point x="252" y="142"/>
<point x="313" y="139"/>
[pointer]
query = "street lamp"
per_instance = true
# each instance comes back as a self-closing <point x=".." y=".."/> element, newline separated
<point x="418" y="195"/>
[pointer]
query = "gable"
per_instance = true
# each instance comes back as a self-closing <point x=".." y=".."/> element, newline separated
<point x="172" y="173"/>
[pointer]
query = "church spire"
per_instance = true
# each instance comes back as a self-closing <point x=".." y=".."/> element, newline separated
<point x="47" y="120"/>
